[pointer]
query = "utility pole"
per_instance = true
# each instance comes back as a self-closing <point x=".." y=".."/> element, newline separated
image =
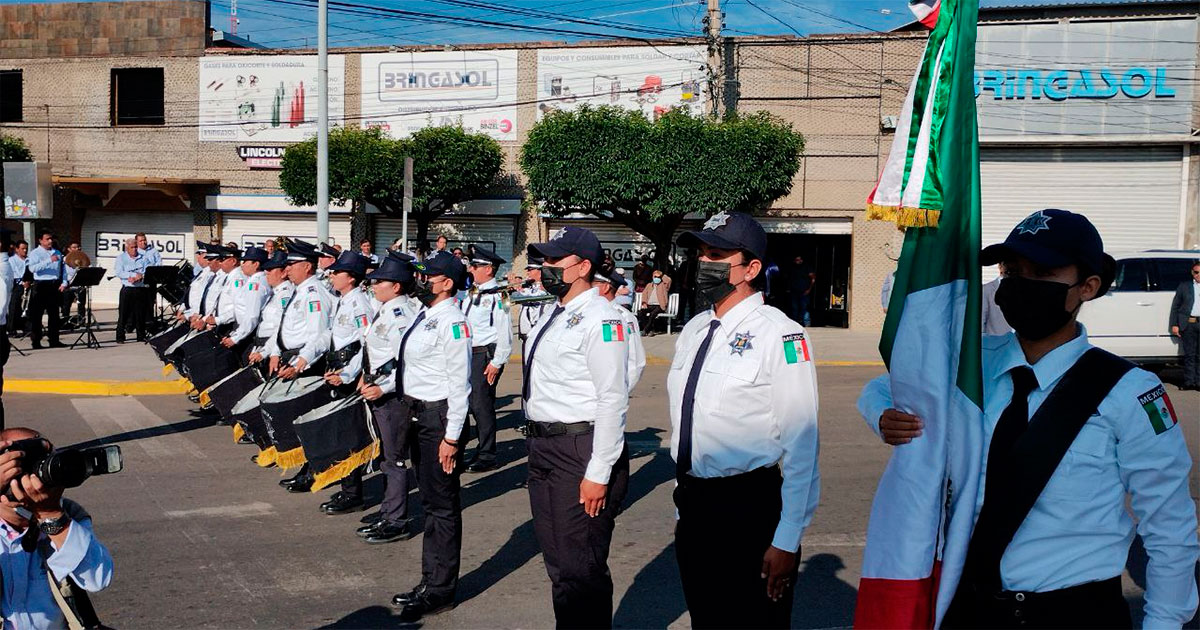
<point x="323" y="121"/>
<point x="712" y="33"/>
<point x="406" y="204"/>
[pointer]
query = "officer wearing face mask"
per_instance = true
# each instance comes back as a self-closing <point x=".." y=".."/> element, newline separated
<point x="743" y="403"/>
<point x="1069" y="431"/>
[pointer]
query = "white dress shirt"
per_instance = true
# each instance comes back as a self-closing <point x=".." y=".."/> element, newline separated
<point x="272" y="314"/>
<point x="578" y="375"/>
<point x="382" y="338"/>
<point x="17" y="265"/>
<point x="490" y="322"/>
<point x="196" y="291"/>
<point x="248" y="303"/>
<point x="1078" y="530"/>
<point x="28" y="603"/>
<point x="755" y="405"/>
<point x="215" y="287"/>
<point x="637" y="351"/>
<point x="6" y="287"/>
<point x="437" y="362"/>
<point x="224" y="310"/>
<point x="1195" y="299"/>
<point x="305" y="324"/>
<point x="351" y="316"/>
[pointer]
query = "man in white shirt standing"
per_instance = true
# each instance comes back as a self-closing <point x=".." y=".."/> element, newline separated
<point x="491" y="345"/>
<point x="576" y="398"/>
<point x="743" y="396"/>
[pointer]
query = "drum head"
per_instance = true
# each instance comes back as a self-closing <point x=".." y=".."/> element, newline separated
<point x="227" y="392"/>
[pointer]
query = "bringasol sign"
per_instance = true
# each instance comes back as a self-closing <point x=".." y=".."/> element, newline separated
<point x="1132" y="77"/>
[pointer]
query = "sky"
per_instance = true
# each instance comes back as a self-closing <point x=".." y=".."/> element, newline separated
<point x="291" y="23"/>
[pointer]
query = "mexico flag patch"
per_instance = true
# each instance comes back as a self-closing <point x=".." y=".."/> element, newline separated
<point x="613" y="330"/>
<point x="314" y="307"/>
<point x="461" y="331"/>
<point x="360" y="321"/>
<point x="1158" y="408"/>
<point x="795" y="348"/>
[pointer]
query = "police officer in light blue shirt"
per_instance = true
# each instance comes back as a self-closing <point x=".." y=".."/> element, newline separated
<point x="130" y="267"/>
<point x="153" y="256"/>
<point x="1049" y="550"/>
<point x="47" y="266"/>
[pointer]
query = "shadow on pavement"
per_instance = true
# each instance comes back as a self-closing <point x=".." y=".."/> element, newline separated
<point x="200" y="420"/>
<point x="655" y="599"/>
<point x="822" y="599"/>
<point x="516" y="552"/>
<point x="369" y="617"/>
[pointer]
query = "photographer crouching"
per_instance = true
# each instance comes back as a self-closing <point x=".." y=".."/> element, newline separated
<point x="43" y="534"/>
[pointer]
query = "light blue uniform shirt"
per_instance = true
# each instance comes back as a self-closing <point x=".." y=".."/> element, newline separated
<point x="28" y="602"/>
<point x="153" y="257"/>
<point x="17" y="265"/>
<point x="1079" y="530"/>
<point x="128" y="267"/>
<point x="42" y="267"/>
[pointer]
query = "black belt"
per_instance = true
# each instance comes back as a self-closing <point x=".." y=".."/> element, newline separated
<point x="491" y="347"/>
<point x="1017" y="608"/>
<point x="552" y="429"/>
<point x="337" y="359"/>
<point x="757" y="475"/>
<point x="419" y="406"/>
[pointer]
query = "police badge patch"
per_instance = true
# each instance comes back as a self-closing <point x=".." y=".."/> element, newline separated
<point x="574" y="320"/>
<point x="431" y="324"/>
<point x="717" y="220"/>
<point x="741" y="343"/>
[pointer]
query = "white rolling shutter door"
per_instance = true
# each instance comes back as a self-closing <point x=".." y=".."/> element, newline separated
<point x="1131" y="194"/>
<point x="625" y="245"/>
<point x="251" y="228"/>
<point x="493" y="231"/>
<point x="175" y="224"/>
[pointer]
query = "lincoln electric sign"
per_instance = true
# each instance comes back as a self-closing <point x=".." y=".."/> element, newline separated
<point x="1060" y="85"/>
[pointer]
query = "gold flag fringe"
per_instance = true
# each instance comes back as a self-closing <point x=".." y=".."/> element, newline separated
<point x="238" y="432"/>
<point x="290" y="459"/>
<point x="168" y="368"/>
<point x="205" y="399"/>
<point x="904" y="217"/>
<point x="343" y="468"/>
<point x="266" y="457"/>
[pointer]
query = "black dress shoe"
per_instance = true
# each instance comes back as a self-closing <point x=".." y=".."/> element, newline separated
<point x="425" y="605"/>
<point x="342" y="503"/>
<point x="482" y="466"/>
<point x="245" y="439"/>
<point x="59" y="344"/>
<point x="402" y="599"/>
<point x="388" y="531"/>
<point x="372" y="518"/>
<point x="365" y="530"/>
<point x="301" y="487"/>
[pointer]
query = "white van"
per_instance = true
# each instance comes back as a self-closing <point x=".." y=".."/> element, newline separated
<point x="1131" y="320"/>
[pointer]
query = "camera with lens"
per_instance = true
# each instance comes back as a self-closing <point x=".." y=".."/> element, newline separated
<point x="68" y="467"/>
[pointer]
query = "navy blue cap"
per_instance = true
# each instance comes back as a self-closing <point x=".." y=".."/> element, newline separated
<point x="481" y="255"/>
<point x="328" y="250"/>
<point x="1052" y="238"/>
<point x="535" y="262"/>
<point x="214" y="252"/>
<point x="201" y="247"/>
<point x="729" y="230"/>
<point x="301" y="251"/>
<point x="230" y="252"/>
<point x="278" y="260"/>
<point x="444" y="264"/>
<point x="571" y="240"/>
<point x="610" y="276"/>
<point x="394" y="269"/>
<point x="353" y="263"/>
<point x="255" y="254"/>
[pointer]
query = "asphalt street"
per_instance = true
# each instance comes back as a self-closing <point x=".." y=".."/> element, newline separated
<point x="203" y="538"/>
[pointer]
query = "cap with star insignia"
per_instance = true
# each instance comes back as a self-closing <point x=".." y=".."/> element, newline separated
<point x="1056" y="238"/>
<point x="729" y="230"/>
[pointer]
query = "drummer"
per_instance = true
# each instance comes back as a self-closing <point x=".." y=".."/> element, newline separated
<point x="303" y="337"/>
<point x="343" y="363"/>
<point x="200" y="273"/>
<point x="392" y="284"/>
<point x="224" y="263"/>
<point x="202" y="302"/>
<point x="281" y="290"/>
<point x="435" y="365"/>
<point x="248" y="302"/>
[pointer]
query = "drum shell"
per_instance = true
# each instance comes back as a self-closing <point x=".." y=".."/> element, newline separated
<point x="207" y="367"/>
<point x="248" y="414"/>
<point x="332" y="433"/>
<point x="189" y="346"/>
<point x="163" y="341"/>
<point x="228" y="392"/>
<point x="285" y="401"/>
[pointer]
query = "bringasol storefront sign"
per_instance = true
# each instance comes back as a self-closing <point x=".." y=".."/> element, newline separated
<point x="1060" y="85"/>
<point x="1094" y="77"/>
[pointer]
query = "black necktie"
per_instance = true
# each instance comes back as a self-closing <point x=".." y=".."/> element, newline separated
<point x="985" y="551"/>
<point x="400" y="354"/>
<point x="528" y="375"/>
<point x="204" y="296"/>
<point x="683" y="462"/>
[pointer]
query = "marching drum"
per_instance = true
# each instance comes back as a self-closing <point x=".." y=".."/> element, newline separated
<point x="247" y="414"/>
<point x="163" y="341"/>
<point x="190" y="344"/>
<point x="208" y="366"/>
<point x="337" y="438"/>
<point x="229" y="391"/>
<point x="283" y="402"/>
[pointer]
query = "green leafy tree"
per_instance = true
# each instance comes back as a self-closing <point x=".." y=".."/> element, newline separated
<point x="12" y="149"/>
<point x="618" y="165"/>
<point x="450" y="166"/>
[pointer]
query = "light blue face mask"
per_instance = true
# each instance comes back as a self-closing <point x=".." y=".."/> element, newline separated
<point x="658" y="281"/>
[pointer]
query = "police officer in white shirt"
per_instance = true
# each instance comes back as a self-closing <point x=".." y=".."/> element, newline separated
<point x="576" y="397"/>
<point x="1069" y="431"/>
<point x="249" y="297"/>
<point x="607" y="283"/>
<point x="491" y="345"/>
<point x="391" y="283"/>
<point x="280" y="293"/>
<point x="229" y="281"/>
<point x="435" y="367"/>
<point x="743" y="403"/>
<point x="215" y="256"/>
<point x="343" y="363"/>
<point x="200" y="281"/>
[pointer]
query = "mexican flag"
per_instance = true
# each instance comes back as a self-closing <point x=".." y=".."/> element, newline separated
<point x="923" y="511"/>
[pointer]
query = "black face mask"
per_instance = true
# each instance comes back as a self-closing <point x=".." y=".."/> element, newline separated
<point x="423" y="292"/>
<point x="712" y="280"/>
<point x="1034" y="308"/>
<point x="552" y="281"/>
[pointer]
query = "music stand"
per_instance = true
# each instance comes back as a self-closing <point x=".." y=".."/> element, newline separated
<point x="157" y="277"/>
<point x="86" y="278"/>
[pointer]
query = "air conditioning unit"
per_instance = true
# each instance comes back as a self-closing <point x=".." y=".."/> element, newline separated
<point x="888" y="123"/>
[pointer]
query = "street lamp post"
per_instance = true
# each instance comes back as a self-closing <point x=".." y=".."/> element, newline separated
<point x="323" y="121"/>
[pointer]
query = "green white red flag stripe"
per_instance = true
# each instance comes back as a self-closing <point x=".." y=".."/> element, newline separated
<point x="926" y="11"/>
<point x="923" y="512"/>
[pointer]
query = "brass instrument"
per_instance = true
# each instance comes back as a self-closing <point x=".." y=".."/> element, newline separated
<point x="77" y="259"/>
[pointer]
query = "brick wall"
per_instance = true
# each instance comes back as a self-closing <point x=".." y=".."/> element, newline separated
<point x="87" y="29"/>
